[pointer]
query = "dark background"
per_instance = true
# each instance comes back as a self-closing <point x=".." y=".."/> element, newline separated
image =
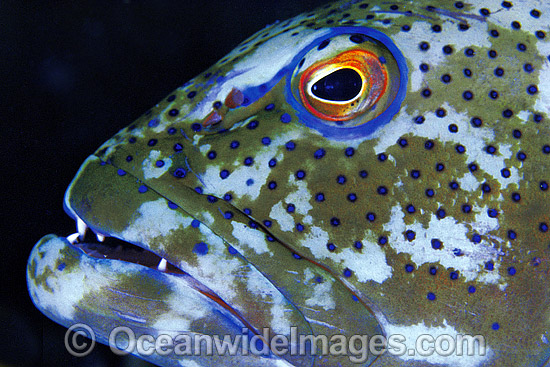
<point x="72" y="73"/>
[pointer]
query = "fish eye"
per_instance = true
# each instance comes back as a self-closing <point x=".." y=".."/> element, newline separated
<point x="349" y="81"/>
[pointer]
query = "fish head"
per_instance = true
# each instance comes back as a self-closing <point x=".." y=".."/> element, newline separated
<point x="364" y="169"/>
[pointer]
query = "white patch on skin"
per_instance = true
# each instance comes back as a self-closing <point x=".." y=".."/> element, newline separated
<point x="520" y="11"/>
<point x="259" y="66"/>
<point x="220" y="272"/>
<point x="150" y="170"/>
<point x="473" y="139"/>
<point x="413" y="332"/>
<point x="524" y="116"/>
<point x="322" y="292"/>
<point x="300" y="197"/>
<point x="408" y="43"/>
<point x="484" y="224"/>
<point x="453" y="235"/>
<point x="208" y="217"/>
<point x="282" y="217"/>
<point x="156" y="220"/>
<point x="204" y="148"/>
<point x="67" y="288"/>
<point x="249" y="238"/>
<point x="188" y="363"/>
<point x="370" y="264"/>
<point x="259" y="171"/>
<point x="279" y="305"/>
<point x="543" y="101"/>
<point x="186" y="305"/>
<point x="468" y="183"/>
<point x="316" y="241"/>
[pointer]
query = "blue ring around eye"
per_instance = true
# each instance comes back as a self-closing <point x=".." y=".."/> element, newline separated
<point x="367" y="128"/>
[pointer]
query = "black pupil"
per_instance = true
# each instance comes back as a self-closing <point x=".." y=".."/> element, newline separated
<point x="341" y="85"/>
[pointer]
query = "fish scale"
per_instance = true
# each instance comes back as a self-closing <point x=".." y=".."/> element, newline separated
<point x="425" y="212"/>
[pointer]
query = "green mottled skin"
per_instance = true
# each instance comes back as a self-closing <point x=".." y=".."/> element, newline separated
<point x="519" y="303"/>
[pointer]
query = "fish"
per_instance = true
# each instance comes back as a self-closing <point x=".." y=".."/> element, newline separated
<point x="364" y="184"/>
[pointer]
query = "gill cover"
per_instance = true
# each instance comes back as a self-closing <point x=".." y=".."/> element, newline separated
<point x="348" y="83"/>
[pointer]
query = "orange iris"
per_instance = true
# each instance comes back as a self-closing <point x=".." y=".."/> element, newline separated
<point x="374" y="83"/>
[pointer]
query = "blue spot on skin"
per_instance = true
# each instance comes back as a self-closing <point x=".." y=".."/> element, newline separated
<point x="296" y="256"/>
<point x="320" y="153"/>
<point x="121" y="172"/>
<point x="436" y="244"/>
<point x="231" y="250"/>
<point x="142" y="189"/>
<point x="61" y="266"/>
<point x="171" y="205"/>
<point x="430" y="296"/>
<point x="453" y="275"/>
<point x="512" y="270"/>
<point x="347" y="273"/>
<point x="495" y="326"/>
<point x="200" y="248"/>
<point x="153" y="123"/>
<point x="195" y="223"/>
<point x="224" y="174"/>
<point x="249" y="182"/>
<point x="179" y="173"/>
<point x="286" y="118"/>
<point x="471" y="289"/>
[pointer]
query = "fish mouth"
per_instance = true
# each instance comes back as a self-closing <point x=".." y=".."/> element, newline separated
<point x="139" y="259"/>
<point x="124" y="266"/>
<point x="111" y="248"/>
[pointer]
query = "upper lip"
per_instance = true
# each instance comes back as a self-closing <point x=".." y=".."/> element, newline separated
<point x="107" y="247"/>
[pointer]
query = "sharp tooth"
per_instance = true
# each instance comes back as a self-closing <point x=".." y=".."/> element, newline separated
<point x="81" y="227"/>
<point x="162" y="265"/>
<point x="73" y="238"/>
<point x="100" y="237"/>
